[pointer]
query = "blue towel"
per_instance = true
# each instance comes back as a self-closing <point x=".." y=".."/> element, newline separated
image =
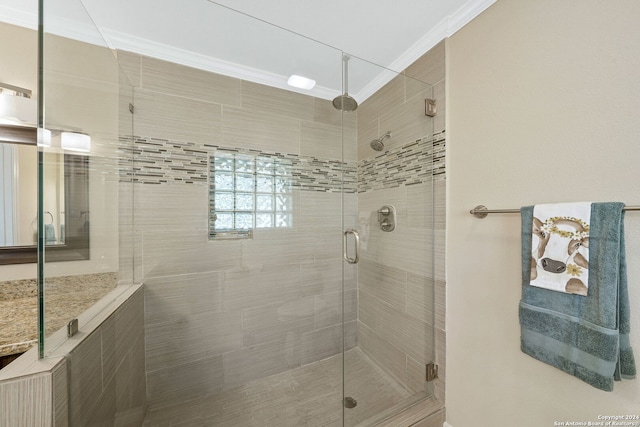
<point x="587" y="337"/>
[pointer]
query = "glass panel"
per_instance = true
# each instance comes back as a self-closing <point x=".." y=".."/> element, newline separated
<point x="224" y="162"/>
<point x="88" y="247"/>
<point x="244" y="202"/>
<point x="283" y="202"/>
<point x="265" y="202"/>
<point x="264" y="165"/>
<point x="245" y="164"/>
<point x="264" y="220"/>
<point x="224" y="221"/>
<point x="283" y="185"/>
<point x="224" y="201"/>
<point x="244" y="182"/>
<point x="223" y="181"/>
<point x="283" y="167"/>
<point x="244" y="221"/>
<point x="395" y="328"/>
<point x="264" y="184"/>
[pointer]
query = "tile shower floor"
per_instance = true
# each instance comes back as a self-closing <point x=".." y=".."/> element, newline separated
<point x="309" y="396"/>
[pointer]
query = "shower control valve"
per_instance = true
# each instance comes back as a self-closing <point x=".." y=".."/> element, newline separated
<point x="384" y="211"/>
<point x="387" y="218"/>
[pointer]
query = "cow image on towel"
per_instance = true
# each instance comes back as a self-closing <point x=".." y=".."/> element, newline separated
<point x="560" y="254"/>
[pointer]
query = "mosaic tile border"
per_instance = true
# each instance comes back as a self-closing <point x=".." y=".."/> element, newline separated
<point x="413" y="163"/>
<point x="160" y="161"/>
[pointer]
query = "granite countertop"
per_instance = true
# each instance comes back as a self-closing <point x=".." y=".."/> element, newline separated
<point x="65" y="298"/>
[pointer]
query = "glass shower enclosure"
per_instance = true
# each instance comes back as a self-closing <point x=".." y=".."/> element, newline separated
<point x="287" y="259"/>
<point x="85" y="199"/>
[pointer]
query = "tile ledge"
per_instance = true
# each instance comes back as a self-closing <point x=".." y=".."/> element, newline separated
<point x="29" y="365"/>
<point x="414" y="413"/>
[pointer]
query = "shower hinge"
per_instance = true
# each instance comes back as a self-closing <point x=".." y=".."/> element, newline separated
<point x="430" y="107"/>
<point x="432" y="371"/>
<point x="131" y="108"/>
<point x="72" y="328"/>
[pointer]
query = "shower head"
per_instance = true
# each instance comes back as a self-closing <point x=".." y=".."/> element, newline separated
<point x="345" y="102"/>
<point x="377" y="143"/>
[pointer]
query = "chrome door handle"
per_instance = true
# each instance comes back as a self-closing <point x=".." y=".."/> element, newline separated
<point x="355" y="259"/>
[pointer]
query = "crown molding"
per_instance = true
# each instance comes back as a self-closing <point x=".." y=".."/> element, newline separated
<point x="19" y="17"/>
<point x="466" y="13"/>
<point x="207" y="63"/>
<point x="445" y="28"/>
<point x="82" y="31"/>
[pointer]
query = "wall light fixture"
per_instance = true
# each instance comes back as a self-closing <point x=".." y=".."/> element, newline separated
<point x="74" y="141"/>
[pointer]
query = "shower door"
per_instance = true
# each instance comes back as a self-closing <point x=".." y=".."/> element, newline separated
<point x="389" y="293"/>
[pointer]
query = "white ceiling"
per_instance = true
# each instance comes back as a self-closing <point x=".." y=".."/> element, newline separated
<point x="263" y="40"/>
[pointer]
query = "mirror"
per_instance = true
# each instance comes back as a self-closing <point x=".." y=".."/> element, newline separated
<point x="65" y="197"/>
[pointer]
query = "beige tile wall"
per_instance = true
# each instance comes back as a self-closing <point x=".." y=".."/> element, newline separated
<point x="105" y="380"/>
<point x="26" y="401"/>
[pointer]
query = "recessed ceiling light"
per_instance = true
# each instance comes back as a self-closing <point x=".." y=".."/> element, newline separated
<point x="301" y="82"/>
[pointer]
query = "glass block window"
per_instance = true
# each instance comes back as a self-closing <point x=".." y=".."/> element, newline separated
<point x="248" y="192"/>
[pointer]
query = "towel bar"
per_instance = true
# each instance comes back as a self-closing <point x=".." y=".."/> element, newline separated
<point x="481" y="211"/>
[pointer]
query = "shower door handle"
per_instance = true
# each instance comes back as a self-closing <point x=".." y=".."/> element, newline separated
<point x="356" y="258"/>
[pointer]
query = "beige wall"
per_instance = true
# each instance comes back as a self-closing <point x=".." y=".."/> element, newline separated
<point x="543" y="103"/>
<point x="18" y="49"/>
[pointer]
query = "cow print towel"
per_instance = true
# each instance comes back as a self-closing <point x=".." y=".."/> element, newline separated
<point x="560" y="247"/>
